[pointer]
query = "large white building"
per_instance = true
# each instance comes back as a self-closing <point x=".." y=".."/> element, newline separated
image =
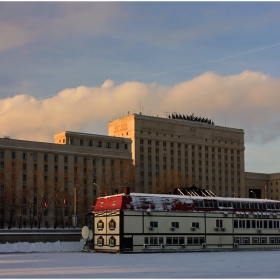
<point x="46" y="184"/>
<point x="175" y="152"/>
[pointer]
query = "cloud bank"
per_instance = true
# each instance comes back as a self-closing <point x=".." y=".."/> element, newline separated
<point x="249" y="100"/>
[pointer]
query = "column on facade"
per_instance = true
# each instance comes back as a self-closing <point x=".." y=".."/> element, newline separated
<point x="196" y="166"/>
<point x="222" y="171"/>
<point x="216" y="168"/>
<point x="242" y="176"/>
<point x="203" y="171"/>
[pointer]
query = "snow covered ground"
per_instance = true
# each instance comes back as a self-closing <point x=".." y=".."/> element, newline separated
<point x="26" y="247"/>
<point x="57" y="263"/>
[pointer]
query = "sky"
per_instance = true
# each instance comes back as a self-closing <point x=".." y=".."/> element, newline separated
<point x="78" y="65"/>
<point x="61" y="264"/>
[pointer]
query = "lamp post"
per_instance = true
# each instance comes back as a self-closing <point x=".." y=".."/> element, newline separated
<point x="254" y="194"/>
<point x="98" y="189"/>
<point x="74" y="219"/>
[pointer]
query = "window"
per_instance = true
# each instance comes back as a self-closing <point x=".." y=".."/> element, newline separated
<point x="112" y="241"/>
<point x="219" y="223"/>
<point x="108" y="145"/>
<point x="112" y="224"/>
<point x="13" y="155"/>
<point x="195" y="240"/>
<point x="100" y="225"/>
<point x="242" y="240"/>
<point x="90" y="143"/>
<point x="99" y="144"/>
<point x="45" y="157"/>
<point x="175" y="224"/>
<point x="125" y="146"/>
<point x="259" y="240"/>
<point x="81" y="142"/>
<point x="175" y="240"/>
<point x="154" y="224"/>
<point x="65" y="159"/>
<point x="71" y="141"/>
<point x="100" y="241"/>
<point x="195" y="224"/>
<point x="153" y="240"/>
<point x="117" y="146"/>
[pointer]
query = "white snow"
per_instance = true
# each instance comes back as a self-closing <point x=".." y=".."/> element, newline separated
<point x="26" y="247"/>
<point x="238" y="264"/>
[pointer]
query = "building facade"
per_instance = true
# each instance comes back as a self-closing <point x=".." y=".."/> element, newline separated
<point x="261" y="185"/>
<point x="170" y="153"/>
<point x="46" y="184"/>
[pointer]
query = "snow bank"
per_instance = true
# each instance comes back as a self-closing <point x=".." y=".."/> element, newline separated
<point x="26" y="247"/>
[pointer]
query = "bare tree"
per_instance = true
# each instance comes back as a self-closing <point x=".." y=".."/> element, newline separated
<point x="12" y="196"/>
<point x="80" y="179"/>
<point x="44" y="197"/>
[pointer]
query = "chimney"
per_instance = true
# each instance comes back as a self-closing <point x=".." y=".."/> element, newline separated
<point x="127" y="190"/>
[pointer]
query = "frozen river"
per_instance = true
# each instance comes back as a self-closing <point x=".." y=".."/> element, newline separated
<point x="258" y="264"/>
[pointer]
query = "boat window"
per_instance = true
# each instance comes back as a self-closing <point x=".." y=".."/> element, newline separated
<point x="215" y="204"/>
<point x="198" y="203"/>
<point x="268" y="205"/>
<point x="261" y="205"/>
<point x="254" y="205"/>
<point x="236" y="205"/>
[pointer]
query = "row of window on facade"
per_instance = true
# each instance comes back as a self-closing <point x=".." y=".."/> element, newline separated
<point x="219" y="171"/>
<point x="193" y="240"/>
<point x="257" y="240"/>
<point x="76" y="169"/>
<point x="179" y="145"/>
<point x="219" y="223"/>
<point x="164" y="151"/>
<point x="158" y="240"/>
<point x="236" y="204"/>
<point x="99" y="143"/>
<point x="197" y="240"/>
<point x="56" y="157"/>
<point x="257" y="224"/>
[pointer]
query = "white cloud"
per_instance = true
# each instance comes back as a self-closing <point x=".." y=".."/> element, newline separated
<point x="249" y="100"/>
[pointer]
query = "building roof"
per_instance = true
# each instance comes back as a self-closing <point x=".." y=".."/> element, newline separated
<point x="164" y="202"/>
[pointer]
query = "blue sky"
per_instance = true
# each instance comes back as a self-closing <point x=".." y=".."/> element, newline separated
<point x="224" y="56"/>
